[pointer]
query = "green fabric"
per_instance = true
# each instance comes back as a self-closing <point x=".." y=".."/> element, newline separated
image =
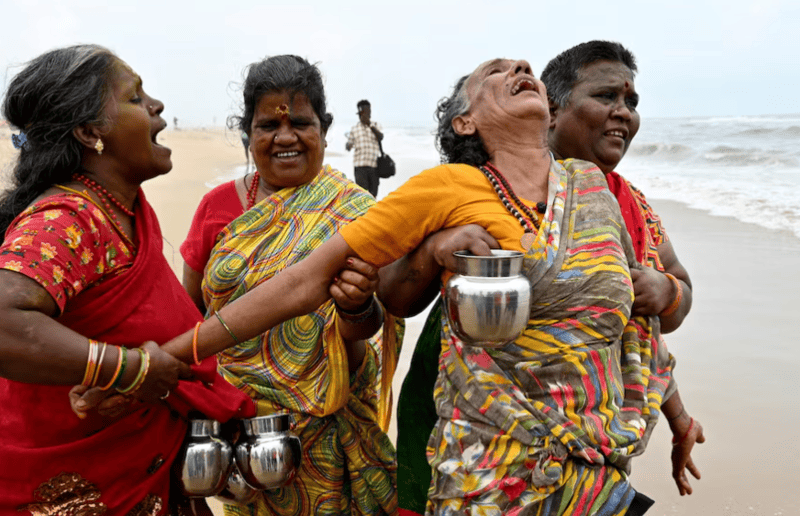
<point x="416" y="416"/>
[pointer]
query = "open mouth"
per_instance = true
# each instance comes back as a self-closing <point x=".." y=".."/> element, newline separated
<point x="289" y="154"/>
<point x="616" y="133"/>
<point x="154" y="136"/>
<point x="523" y="85"/>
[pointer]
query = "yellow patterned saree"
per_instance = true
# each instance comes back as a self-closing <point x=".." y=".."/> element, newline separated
<point x="300" y="367"/>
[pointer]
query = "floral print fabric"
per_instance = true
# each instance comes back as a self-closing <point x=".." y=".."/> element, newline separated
<point x="65" y="243"/>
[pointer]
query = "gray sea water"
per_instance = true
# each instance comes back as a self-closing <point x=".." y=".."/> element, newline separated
<point x="746" y="167"/>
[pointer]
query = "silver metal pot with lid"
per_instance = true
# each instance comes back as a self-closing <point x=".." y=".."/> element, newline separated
<point x="488" y="301"/>
<point x="268" y="454"/>
<point x="206" y="460"/>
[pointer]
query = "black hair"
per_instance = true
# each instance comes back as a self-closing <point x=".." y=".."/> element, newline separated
<point x="288" y="73"/>
<point x="56" y="92"/>
<point x="562" y="72"/>
<point x="453" y="147"/>
<point x="364" y="102"/>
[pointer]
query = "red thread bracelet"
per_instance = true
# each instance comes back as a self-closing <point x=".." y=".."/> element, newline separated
<point x="679" y="441"/>
<point x="676" y="303"/>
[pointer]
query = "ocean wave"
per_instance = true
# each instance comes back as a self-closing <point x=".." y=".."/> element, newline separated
<point x="671" y="151"/>
<point x="730" y="156"/>
<point x="792" y="131"/>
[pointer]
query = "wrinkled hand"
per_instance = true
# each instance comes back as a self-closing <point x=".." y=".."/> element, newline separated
<point x="471" y="238"/>
<point x="682" y="457"/>
<point x="652" y="289"/>
<point x="354" y="285"/>
<point x="162" y="376"/>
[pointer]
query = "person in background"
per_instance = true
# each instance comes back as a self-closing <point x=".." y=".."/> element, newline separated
<point x="87" y="298"/>
<point x="363" y="138"/>
<point x="327" y="368"/>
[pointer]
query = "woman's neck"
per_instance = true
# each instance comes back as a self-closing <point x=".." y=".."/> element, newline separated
<point x="526" y="170"/>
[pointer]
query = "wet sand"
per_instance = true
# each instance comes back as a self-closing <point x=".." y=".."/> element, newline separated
<point x="737" y="352"/>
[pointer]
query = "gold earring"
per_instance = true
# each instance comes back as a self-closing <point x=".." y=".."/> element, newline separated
<point x="99" y="146"/>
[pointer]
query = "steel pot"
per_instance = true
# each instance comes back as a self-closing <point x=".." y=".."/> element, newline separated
<point x="206" y="460"/>
<point x="488" y="301"/>
<point x="268" y="455"/>
<point x="237" y="490"/>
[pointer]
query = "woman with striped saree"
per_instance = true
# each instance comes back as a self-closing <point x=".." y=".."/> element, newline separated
<point x="547" y="424"/>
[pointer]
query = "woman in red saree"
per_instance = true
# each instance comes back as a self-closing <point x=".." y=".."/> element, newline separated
<point x="86" y="287"/>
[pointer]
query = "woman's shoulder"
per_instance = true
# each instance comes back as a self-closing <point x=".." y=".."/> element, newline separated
<point x="579" y="166"/>
<point x="72" y="205"/>
<point x="222" y="192"/>
<point x="452" y="172"/>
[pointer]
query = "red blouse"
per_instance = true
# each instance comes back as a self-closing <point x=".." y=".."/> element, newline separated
<point x="217" y="209"/>
<point x="65" y="243"/>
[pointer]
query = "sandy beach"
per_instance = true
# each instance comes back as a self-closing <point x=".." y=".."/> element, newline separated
<point x="737" y="351"/>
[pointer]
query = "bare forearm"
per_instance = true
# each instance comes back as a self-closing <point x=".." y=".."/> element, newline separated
<point x="408" y="285"/>
<point x="675" y="413"/>
<point x="295" y="291"/>
<point x="672" y="322"/>
<point x="673" y="266"/>
<point x="36" y="349"/>
<point x="358" y="328"/>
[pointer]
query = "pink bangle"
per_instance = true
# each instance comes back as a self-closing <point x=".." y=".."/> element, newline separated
<point x="679" y="441"/>
<point x="676" y="303"/>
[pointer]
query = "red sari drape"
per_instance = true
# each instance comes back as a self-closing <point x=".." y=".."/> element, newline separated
<point x="52" y="462"/>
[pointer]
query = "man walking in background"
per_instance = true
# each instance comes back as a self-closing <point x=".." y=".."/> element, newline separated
<point x="364" y="138"/>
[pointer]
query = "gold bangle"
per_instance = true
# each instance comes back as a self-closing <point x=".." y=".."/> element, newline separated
<point x="96" y="375"/>
<point x="676" y="302"/>
<point x="219" y="317"/>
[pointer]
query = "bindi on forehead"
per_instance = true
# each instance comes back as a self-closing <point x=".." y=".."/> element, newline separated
<point x="282" y="111"/>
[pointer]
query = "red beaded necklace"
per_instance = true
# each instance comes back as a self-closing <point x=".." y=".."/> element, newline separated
<point x="105" y="196"/>
<point x="252" y="191"/>
<point x="529" y="221"/>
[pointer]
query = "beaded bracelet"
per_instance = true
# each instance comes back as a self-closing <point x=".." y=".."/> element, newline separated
<point x="679" y="441"/>
<point x="227" y="328"/>
<point x="122" y="362"/>
<point x="194" y="343"/>
<point x="144" y="365"/>
<point x="91" y="363"/>
<point x="360" y="316"/>
<point x="676" y="303"/>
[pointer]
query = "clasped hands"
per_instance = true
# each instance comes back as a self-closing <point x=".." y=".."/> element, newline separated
<point x="351" y="289"/>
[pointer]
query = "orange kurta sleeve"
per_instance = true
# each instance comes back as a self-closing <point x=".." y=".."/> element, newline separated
<point x="441" y="197"/>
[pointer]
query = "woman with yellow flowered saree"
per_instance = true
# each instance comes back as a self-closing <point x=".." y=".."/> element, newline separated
<point x="317" y="367"/>
<point x="548" y="423"/>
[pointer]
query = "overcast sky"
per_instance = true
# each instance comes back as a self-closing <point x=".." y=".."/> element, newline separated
<point x="701" y="57"/>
